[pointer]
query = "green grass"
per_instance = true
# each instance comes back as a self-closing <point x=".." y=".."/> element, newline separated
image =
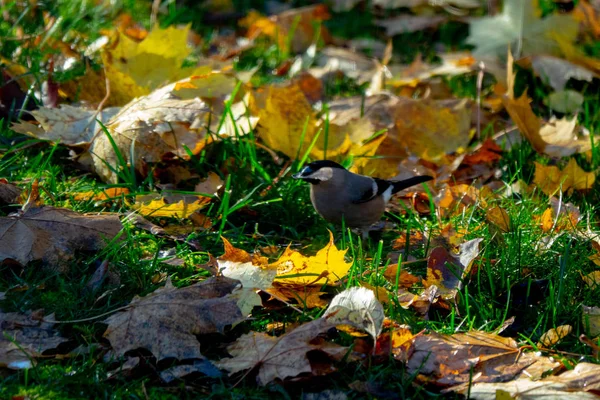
<point x="510" y="277"/>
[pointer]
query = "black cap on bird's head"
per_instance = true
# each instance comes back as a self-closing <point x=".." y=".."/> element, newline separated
<point x="317" y="171"/>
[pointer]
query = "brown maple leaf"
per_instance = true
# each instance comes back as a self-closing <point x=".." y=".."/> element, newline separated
<point x="167" y="320"/>
<point x="53" y="234"/>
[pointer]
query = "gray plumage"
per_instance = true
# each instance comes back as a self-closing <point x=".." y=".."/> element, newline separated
<point x="338" y="194"/>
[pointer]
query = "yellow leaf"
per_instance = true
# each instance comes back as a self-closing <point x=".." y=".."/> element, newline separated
<point x="159" y="208"/>
<point x="328" y="265"/>
<point x="136" y="68"/>
<point x="554" y="335"/>
<point x="592" y="279"/>
<point x="550" y="179"/>
<point x="284" y="112"/>
<point x="105" y="194"/>
<point x="499" y="217"/>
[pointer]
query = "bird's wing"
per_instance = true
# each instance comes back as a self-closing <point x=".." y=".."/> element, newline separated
<point x="370" y="188"/>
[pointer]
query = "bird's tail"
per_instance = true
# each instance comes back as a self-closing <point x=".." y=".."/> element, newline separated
<point x="406" y="183"/>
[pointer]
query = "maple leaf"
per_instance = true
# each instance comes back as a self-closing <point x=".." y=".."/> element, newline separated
<point x="328" y="265"/>
<point x="167" y="320"/>
<point x="280" y="357"/>
<point x="25" y="337"/>
<point x="521" y="27"/>
<point x="53" y="234"/>
<point x="551" y="179"/>
<point x="454" y="359"/>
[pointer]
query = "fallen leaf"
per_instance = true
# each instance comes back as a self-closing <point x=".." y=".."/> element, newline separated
<point x="176" y="372"/>
<point x="180" y="209"/>
<point x="489" y="152"/>
<point x="54" y="234"/>
<point x="499" y="217"/>
<point x="284" y="114"/>
<point x="327" y="266"/>
<point x="104" y="195"/>
<point x="250" y="271"/>
<point x="293" y="30"/>
<point x="360" y="306"/>
<point x="565" y="101"/>
<point x="447" y="271"/>
<point x="551" y="179"/>
<point x="307" y="296"/>
<point x="9" y="193"/>
<point x="402" y="343"/>
<point x="592" y="280"/>
<point x="454" y="199"/>
<point x="405" y="279"/>
<point x="591" y="320"/>
<point x="521" y="28"/>
<point x="560" y="216"/>
<point x="558" y="71"/>
<point x="465" y="357"/>
<point x="554" y="336"/>
<point x="135" y="68"/>
<point x="410" y="23"/>
<point x="580" y="383"/>
<point x="24" y="338"/>
<point x="166" y="321"/>
<point x="280" y="357"/>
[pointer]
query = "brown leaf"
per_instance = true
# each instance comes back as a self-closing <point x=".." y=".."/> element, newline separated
<point x="280" y="357"/>
<point x="53" y="234"/>
<point x="410" y="23"/>
<point x="25" y="337"/>
<point x="554" y="336"/>
<point x="9" y="193"/>
<point x="499" y="217"/>
<point x="551" y="179"/>
<point x="167" y="320"/>
<point x="446" y="270"/>
<point x="459" y="358"/>
<point x="405" y="278"/>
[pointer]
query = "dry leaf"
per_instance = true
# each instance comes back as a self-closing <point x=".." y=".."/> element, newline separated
<point x="25" y="337"/>
<point x="554" y="336"/>
<point x="104" y="195"/>
<point x="591" y="320"/>
<point x="9" y="193"/>
<point x="54" y="234"/>
<point x="252" y="272"/>
<point x="167" y="320"/>
<point x="360" y="306"/>
<point x="551" y="179"/>
<point x="592" y="280"/>
<point x="580" y="383"/>
<point x="405" y="278"/>
<point x="410" y="23"/>
<point x="499" y="217"/>
<point x="447" y="271"/>
<point x="307" y="296"/>
<point x="465" y="357"/>
<point x="304" y="21"/>
<point x="280" y="357"/>
<point x="521" y="28"/>
<point x="454" y="199"/>
<point x="558" y="71"/>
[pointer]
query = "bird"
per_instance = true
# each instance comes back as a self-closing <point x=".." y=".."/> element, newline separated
<point x="340" y="195"/>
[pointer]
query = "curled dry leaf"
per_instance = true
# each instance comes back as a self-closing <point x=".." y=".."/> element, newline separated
<point x="464" y="357"/>
<point x="554" y="336"/>
<point x="447" y="271"/>
<point x="24" y="338"/>
<point x="54" y="234"/>
<point x="360" y="306"/>
<point x="281" y="357"/>
<point x="551" y="179"/>
<point x="167" y="320"/>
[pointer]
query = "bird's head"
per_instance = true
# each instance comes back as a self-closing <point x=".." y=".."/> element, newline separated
<point x="318" y="171"/>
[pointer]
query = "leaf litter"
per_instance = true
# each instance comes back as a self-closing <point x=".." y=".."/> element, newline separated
<point x="172" y="114"/>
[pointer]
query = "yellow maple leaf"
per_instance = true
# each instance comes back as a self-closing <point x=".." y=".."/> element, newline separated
<point x="284" y="112"/>
<point x="328" y="265"/>
<point x="551" y="179"/>
<point x="134" y="68"/>
<point x="159" y="208"/>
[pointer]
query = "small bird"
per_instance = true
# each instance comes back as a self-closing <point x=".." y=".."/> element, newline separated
<point x="338" y="194"/>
